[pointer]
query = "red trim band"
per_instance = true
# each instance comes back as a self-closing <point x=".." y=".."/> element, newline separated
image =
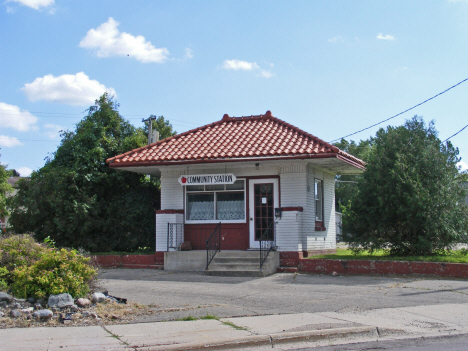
<point x="285" y="209"/>
<point x="169" y="211"/>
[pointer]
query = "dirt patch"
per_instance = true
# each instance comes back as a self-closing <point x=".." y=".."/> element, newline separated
<point x="103" y="313"/>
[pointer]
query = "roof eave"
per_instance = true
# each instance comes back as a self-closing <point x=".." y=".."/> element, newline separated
<point x="243" y="159"/>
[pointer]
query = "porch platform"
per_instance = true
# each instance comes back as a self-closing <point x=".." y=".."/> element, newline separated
<point x="225" y="263"/>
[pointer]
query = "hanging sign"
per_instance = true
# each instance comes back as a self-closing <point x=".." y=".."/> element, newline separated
<point x="207" y="179"/>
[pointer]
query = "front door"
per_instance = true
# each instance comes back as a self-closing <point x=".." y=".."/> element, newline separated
<point x="263" y="198"/>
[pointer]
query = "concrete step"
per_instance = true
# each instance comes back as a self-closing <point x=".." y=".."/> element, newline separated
<point x="242" y="264"/>
<point x="228" y="260"/>
<point x="238" y="253"/>
<point x="246" y="273"/>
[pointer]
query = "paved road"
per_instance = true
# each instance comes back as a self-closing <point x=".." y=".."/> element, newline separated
<point x="446" y="343"/>
<point x="176" y="295"/>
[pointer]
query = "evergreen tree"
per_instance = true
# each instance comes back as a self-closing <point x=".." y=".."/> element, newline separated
<point x="410" y="198"/>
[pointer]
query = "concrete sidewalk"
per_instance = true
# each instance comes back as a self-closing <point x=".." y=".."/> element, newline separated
<point x="277" y="331"/>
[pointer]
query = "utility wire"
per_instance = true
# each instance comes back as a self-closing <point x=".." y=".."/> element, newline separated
<point x="455" y="133"/>
<point x="453" y="86"/>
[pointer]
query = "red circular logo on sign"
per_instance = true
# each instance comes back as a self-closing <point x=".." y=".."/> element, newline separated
<point x="183" y="180"/>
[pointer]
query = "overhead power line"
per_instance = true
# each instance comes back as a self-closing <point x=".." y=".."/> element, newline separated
<point x="455" y="133"/>
<point x="398" y="114"/>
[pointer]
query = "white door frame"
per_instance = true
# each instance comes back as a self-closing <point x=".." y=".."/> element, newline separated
<point x="252" y="243"/>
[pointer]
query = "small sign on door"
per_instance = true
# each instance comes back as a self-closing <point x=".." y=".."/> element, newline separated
<point x="264" y="200"/>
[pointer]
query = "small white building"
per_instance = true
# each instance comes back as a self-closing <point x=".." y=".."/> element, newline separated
<point x="250" y="178"/>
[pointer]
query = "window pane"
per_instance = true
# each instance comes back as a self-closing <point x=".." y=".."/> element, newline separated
<point x="318" y="200"/>
<point x="215" y="187"/>
<point x="230" y="206"/>
<point x="238" y="185"/>
<point x="195" y="187"/>
<point x="200" y="207"/>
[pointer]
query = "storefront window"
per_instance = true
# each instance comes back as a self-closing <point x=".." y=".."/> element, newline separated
<point x="230" y="206"/>
<point x="216" y="202"/>
<point x="200" y="207"/>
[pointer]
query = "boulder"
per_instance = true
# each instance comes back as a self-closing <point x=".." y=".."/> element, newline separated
<point x="28" y="310"/>
<point x="41" y="301"/>
<point x="31" y="300"/>
<point x="98" y="297"/>
<point x="186" y="246"/>
<point x="60" y="301"/>
<point x="85" y="314"/>
<point x="15" y="313"/>
<point x="43" y="314"/>
<point x="6" y="297"/>
<point x="82" y="302"/>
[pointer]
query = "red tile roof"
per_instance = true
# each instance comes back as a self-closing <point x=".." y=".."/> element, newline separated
<point x="234" y="139"/>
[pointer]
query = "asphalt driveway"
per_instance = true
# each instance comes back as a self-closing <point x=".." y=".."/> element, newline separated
<point x="178" y="295"/>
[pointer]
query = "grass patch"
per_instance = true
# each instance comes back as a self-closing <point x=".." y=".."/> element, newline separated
<point x="455" y="256"/>
<point x="234" y="326"/>
<point x="209" y="316"/>
<point x="188" y="318"/>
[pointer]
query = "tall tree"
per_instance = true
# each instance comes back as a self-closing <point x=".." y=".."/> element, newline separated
<point x="4" y="189"/>
<point x="410" y="198"/>
<point x="346" y="185"/>
<point x="78" y="201"/>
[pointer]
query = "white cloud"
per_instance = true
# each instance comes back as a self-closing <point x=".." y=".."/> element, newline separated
<point x="336" y="39"/>
<point x="70" y="89"/>
<point x="53" y="130"/>
<point x="35" y="4"/>
<point x="188" y="54"/>
<point x="24" y="171"/>
<point x="238" y="65"/>
<point x="463" y="165"/>
<point x="380" y="36"/>
<point x="12" y="116"/>
<point x="7" y="141"/>
<point x="266" y="74"/>
<point x="108" y="41"/>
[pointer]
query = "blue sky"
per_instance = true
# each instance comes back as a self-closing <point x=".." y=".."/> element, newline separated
<point x="328" y="67"/>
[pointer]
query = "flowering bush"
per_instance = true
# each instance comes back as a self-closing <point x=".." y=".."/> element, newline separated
<point x="56" y="272"/>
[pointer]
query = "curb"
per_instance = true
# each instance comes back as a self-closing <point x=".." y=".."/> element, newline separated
<point x="267" y="340"/>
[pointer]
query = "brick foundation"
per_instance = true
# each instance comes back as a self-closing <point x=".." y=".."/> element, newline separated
<point x="320" y="252"/>
<point x="290" y="258"/>
<point x="155" y="261"/>
<point x="369" y="267"/>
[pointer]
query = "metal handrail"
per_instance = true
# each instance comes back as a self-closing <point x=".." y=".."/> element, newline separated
<point x="267" y="244"/>
<point x="175" y="235"/>
<point x="213" y="244"/>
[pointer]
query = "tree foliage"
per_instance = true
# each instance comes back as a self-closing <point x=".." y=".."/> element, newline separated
<point x="78" y="201"/>
<point x="5" y="188"/>
<point x="410" y="199"/>
<point x="346" y="185"/>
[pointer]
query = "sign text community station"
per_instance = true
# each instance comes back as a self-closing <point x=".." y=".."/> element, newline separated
<point x="207" y="179"/>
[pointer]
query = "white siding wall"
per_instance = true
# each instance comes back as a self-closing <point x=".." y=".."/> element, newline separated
<point x="161" y="228"/>
<point x="289" y="229"/>
<point x="172" y="194"/>
<point x="323" y="240"/>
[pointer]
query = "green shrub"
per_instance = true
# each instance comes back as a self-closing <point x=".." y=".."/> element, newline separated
<point x="3" y="276"/>
<point x="18" y="251"/>
<point x="56" y="272"/>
